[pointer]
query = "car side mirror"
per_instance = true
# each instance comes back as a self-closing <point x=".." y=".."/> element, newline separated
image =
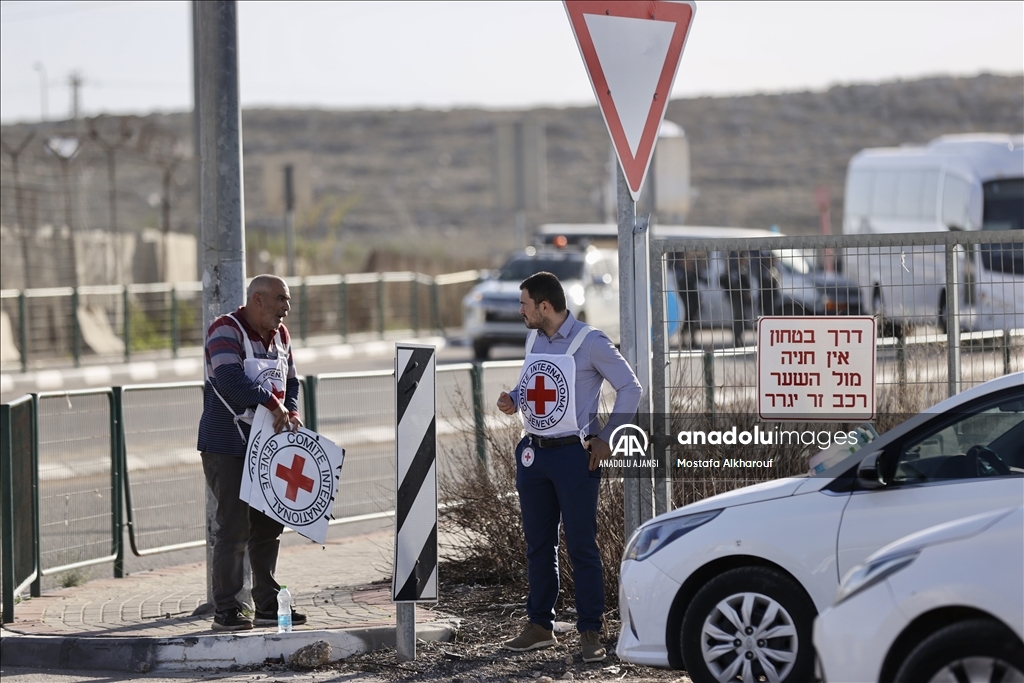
<point x="869" y="472"/>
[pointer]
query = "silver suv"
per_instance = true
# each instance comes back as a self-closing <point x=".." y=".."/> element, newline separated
<point x="589" y="278"/>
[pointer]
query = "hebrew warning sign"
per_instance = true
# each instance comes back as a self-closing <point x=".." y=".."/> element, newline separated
<point x="816" y="368"/>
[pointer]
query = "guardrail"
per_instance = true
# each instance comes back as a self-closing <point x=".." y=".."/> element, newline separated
<point x="81" y="470"/>
<point x="117" y="320"/>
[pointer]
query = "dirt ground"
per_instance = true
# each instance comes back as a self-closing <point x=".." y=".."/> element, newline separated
<point x="490" y="615"/>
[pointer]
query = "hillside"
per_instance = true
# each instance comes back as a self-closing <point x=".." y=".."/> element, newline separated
<point x="420" y="183"/>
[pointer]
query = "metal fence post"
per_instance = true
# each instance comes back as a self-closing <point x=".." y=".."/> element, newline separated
<point x="175" y="333"/>
<point x="23" y="329"/>
<point x="304" y="311"/>
<point x="1007" y="341"/>
<point x="476" y="376"/>
<point x="76" y="333"/>
<point x="343" y="308"/>
<point x="709" y="382"/>
<point x="953" y="318"/>
<point x="7" y="515"/>
<point x="119" y="464"/>
<point x="659" y="393"/>
<point x="380" y="305"/>
<point x="901" y="369"/>
<point x="309" y="402"/>
<point x="9" y="489"/>
<point x="435" y="305"/>
<point x="126" y="305"/>
<point x="414" y="292"/>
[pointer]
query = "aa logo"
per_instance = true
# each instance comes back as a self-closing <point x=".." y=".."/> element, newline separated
<point x="629" y="441"/>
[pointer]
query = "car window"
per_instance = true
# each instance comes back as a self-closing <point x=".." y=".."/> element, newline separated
<point x="518" y="270"/>
<point x="988" y="443"/>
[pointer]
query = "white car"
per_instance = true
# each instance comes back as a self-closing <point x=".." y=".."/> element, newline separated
<point x="944" y="604"/>
<point x="589" y="277"/>
<point x="728" y="587"/>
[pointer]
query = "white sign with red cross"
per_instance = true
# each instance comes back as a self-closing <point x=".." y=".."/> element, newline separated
<point x="291" y="477"/>
<point x="545" y="400"/>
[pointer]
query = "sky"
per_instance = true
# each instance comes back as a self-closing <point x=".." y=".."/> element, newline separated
<point x="135" y="57"/>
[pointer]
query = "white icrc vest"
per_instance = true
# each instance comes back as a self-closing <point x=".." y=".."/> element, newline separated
<point x="547" y="389"/>
<point x="269" y="373"/>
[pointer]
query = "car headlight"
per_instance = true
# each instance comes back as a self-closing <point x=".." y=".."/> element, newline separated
<point x="652" y="537"/>
<point x="577" y="294"/>
<point x="868" y="574"/>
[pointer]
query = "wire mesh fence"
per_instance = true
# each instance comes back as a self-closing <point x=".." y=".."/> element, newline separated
<point x="947" y="319"/>
<point x="104" y="322"/>
<point x="165" y="490"/>
<point x="78" y="479"/>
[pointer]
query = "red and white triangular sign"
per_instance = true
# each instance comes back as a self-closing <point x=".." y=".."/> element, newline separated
<point x="632" y="52"/>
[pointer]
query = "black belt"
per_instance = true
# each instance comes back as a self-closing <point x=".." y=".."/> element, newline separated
<point x="543" y="442"/>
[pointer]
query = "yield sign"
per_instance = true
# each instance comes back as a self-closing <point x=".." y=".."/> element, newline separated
<point x="631" y="51"/>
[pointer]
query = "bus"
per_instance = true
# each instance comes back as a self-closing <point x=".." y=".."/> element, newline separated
<point x="956" y="182"/>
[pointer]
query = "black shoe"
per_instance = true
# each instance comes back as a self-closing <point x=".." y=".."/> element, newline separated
<point x="270" y="618"/>
<point x="231" y="620"/>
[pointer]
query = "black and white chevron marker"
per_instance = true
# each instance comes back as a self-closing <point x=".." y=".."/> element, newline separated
<point x="415" y="575"/>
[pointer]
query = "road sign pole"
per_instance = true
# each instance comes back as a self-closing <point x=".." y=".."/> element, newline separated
<point x="632" y="52"/>
<point x="634" y="334"/>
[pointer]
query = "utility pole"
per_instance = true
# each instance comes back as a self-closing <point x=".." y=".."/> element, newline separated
<point x="75" y="81"/>
<point x="110" y="148"/>
<point x="14" y="153"/>
<point x="219" y="132"/>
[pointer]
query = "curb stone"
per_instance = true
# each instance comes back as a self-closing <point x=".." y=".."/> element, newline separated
<point x="221" y="651"/>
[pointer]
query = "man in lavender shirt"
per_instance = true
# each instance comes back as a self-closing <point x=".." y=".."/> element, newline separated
<point x="557" y="462"/>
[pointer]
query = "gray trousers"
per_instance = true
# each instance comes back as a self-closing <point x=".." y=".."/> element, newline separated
<point x="240" y="527"/>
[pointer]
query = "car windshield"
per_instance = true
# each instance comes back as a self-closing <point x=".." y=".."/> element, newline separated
<point x="519" y="269"/>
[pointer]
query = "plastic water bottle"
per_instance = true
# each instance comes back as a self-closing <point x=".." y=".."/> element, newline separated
<point x="284" y="610"/>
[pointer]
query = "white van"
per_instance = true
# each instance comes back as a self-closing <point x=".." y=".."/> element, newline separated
<point x="956" y="182"/>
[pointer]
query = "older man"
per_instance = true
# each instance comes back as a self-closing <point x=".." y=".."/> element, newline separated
<point x="248" y="364"/>
<point x="557" y="474"/>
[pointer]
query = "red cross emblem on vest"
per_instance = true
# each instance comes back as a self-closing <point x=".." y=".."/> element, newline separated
<point x="294" y="477"/>
<point x="540" y="396"/>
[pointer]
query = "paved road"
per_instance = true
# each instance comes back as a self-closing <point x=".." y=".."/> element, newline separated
<point x="321" y="356"/>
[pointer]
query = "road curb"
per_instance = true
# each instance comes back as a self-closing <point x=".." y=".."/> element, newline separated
<point x="207" y="651"/>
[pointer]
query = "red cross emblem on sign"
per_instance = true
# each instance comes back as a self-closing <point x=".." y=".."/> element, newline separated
<point x="294" y="477"/>
<point x="539" y="395"/>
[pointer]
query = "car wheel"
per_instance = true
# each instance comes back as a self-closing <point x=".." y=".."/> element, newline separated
<point x="974" y="650"/>
<point x="481" y="349"/>
<point x="749" y="624"/>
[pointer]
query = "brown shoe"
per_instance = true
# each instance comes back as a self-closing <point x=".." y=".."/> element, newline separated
<point x="590" y="643"/>
<point x="533" y="637"/>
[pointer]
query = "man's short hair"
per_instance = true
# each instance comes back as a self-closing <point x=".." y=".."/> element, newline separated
<point x="544" y="286"/>
<point x="261" y="284"/>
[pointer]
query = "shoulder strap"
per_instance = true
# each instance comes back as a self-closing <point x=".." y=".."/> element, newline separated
<point x="578" y="340"/>
<point x="531" y="339"/>
<point x="245" y="337"/>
